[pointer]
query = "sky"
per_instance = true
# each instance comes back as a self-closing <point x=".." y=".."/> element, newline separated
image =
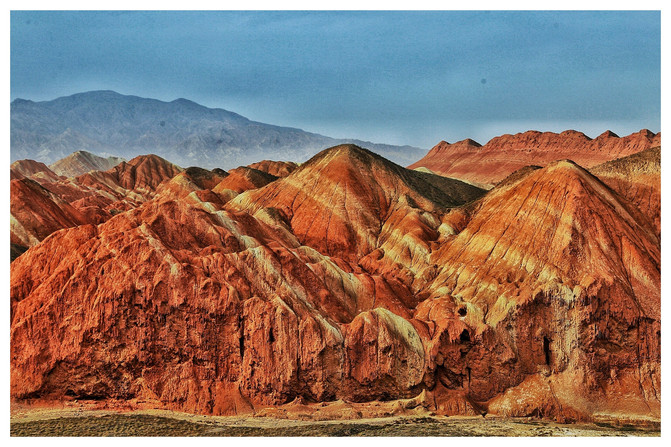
<point x="391" y="77"/>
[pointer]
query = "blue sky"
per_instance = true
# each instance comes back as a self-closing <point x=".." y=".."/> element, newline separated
<point x="395" y="77"/>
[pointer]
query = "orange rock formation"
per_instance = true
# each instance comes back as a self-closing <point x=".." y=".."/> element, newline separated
<point x="486" y="165"/>
<point x="350" y="278"/>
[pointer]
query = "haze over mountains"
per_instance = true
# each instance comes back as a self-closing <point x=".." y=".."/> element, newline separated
<point x="108" y="123"/>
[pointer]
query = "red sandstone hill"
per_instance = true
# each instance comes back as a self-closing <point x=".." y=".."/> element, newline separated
<point x="637" y="177"/>
<point x="559" y="281"/>
<point x="35" y="213"/>
<point x="488" y="164"/>
<point x="42" y="202"/>
<point x="244" y="178"/>
<point x="339" y="201"/>
<point x="144" y="173"/>
<point x="276" y="168"/>
<point x="32" y="169"/>
<point x="351" y="278"/>
<point x="191" y="180"/>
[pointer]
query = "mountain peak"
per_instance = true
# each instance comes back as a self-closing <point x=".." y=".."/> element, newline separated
<point x="81" y="162"/>
<point x="467" y="143"/>
<point x="19" y="101"/>
<point x="276" y="168"/>
<point x="98" y="94"/>
<point x="356" y="190"/>
<point x="608" y="134"/>
<point x="30" y="168"/>
<point x="350" y="154"/>
<point x="562" y="164"/>
<point x="144" y="172"/>
<point x="646" y="133"/>
<point x="184" y="101"/>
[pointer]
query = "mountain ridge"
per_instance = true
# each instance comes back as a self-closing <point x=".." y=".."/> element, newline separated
<point x="181" y="130"/>
<point x="502" y="155"/>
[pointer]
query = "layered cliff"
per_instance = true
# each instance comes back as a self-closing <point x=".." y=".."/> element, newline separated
<point x="350" y="278"/>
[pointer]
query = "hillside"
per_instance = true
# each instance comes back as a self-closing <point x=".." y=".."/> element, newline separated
<point x="349" y="279"/>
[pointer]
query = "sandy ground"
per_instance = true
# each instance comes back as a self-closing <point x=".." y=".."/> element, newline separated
<point x="84" y="419"/>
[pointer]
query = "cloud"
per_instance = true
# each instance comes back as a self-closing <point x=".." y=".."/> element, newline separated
<point x="406" y="75"/>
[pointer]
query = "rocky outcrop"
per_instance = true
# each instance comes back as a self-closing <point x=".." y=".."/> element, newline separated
<point x="558" y="280"/>
<point x="351" y="278"/>
<point x="190" y="181"/>
<point x="486" y="165"/>
<point x="339" y="201"/>
<point x="243" y="178"/>
<point x="144" y="173"/>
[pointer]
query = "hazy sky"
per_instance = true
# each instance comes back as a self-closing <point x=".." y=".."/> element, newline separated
<point x="395" y="77"/>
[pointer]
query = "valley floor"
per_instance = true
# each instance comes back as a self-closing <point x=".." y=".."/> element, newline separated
<point x="72" y="421"/>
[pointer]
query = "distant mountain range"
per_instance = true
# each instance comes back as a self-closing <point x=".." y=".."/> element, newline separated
<point x="108" y="123"/>
<point x="487" y="165"/>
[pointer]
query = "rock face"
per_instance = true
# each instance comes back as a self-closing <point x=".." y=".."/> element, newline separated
<point x="351" y="278"/>
<point x="81" y="162"/>
<point x="558" y="280"/>
<point x="489" y="164"/>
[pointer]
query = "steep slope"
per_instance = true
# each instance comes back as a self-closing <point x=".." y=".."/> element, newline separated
<point x="81" y="162"/>
<point x="228" y="346"/>
<point x="35" y="213"/>
<point x="557" y="280"/>
<point x="488" y="164"/>
<point x="144" y="173"/>
<point x="192" y="180"/>
<point x="32" y="169"/>
<point x="637" y="177"/>
<point x="181" y="131"/>
<point x="141" y="176"/>
<point x="243" y="178"/>
<point x="339" y="201"/>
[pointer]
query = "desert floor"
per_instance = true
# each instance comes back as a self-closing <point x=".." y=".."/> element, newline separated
<point x="82" y="421"/>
